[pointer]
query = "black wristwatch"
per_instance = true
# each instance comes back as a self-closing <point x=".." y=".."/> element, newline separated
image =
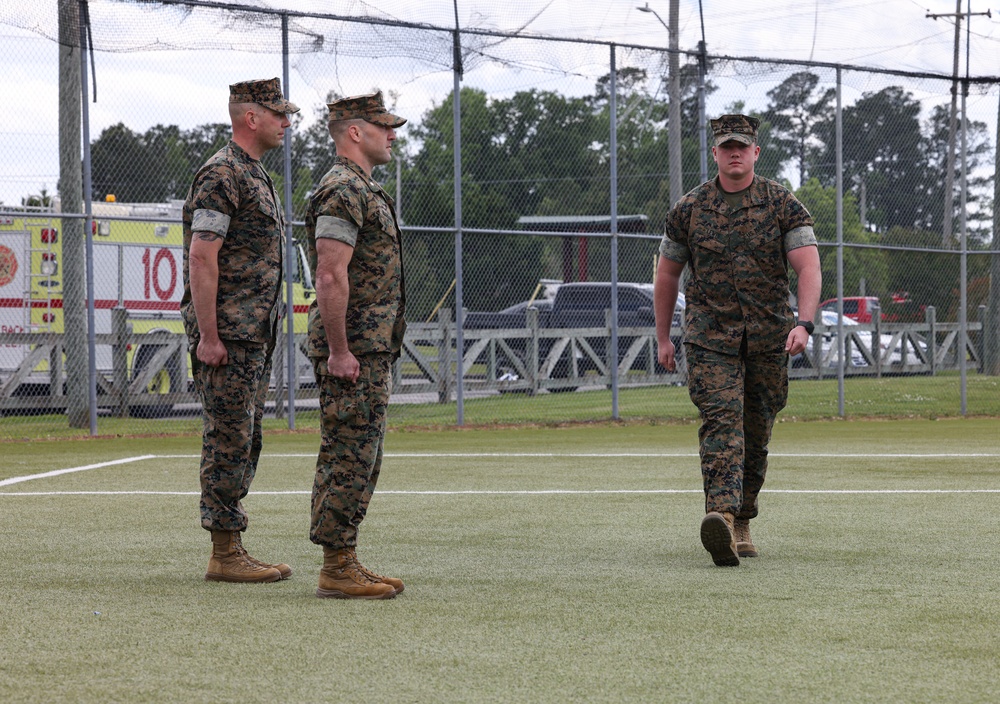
<point x="807" y="324"/>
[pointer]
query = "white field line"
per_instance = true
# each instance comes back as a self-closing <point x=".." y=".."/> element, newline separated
<point x="127" y="460"/>
<point x="69" y="470"/>
<point x="513" y="492"/>
<point x="432" y="455"/>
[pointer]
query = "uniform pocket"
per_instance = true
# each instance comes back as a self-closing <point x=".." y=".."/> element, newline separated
<point x="225" y="387"/>
<point x="707" y="240"/>
<point x="348" y="401"/>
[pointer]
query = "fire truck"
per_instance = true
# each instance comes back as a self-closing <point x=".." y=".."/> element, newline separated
<point x="138" y="275"/>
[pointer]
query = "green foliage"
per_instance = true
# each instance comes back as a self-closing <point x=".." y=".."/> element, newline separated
<point x="154" y="166"/>
<point x="538" y="152"/>
<point x="978" y="155"/>
<point x="42" y="200"/>
<point x="869" y="265"/>
<point x="795" y="110"/>
<point x="929" y="276"/>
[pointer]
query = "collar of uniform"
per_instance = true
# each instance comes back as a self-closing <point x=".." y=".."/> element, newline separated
<point x="715" y="200"/>
<point x="353" y="166"/>
<point x="241" y="152"/>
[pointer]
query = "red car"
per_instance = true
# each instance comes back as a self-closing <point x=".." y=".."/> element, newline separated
<point x="857" y="308"/>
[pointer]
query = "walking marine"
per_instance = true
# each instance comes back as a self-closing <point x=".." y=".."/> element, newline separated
<point x="737" y="234"/>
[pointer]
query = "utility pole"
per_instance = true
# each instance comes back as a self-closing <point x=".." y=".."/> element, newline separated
<point x="991" y="331"/>
<point x="702" y="72"/>
<point x="674" y="109"/>
<point x="949" y="174"/>
<point x="674" y="131"/>
<point x="71" y="194"/>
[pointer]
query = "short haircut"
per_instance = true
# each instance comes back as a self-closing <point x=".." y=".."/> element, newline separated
<point x="339" y="128"/>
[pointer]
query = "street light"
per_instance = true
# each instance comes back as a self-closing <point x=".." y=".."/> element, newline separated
<point x="676" y="168"/>
<point x="702" y="73"/>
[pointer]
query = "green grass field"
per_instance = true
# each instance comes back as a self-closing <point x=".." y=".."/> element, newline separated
<point x="541" y="564"/>
<point x="928" y="397"/>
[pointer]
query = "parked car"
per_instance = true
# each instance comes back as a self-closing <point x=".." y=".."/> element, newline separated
<point x="827" y="329"/>
<point x="857" y="308"/>
<point x="577" y="305"/>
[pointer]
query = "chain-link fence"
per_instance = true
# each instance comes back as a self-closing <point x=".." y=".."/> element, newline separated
<point x="529" y="285"/>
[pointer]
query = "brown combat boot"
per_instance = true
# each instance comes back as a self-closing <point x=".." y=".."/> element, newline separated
<point x="340" y="578"/>
<point x="717" y="537"/>
<point x="229" y="564"/>
<point x="396" y="584"/>
<point x="284" y="569"/>
<point x="744" y="545"/>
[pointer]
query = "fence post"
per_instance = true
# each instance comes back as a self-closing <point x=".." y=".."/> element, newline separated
<point x="611" y="355"/>
<point x="983" y="323"/>
<point x="531" y="362"/>
<point x="817" y="353"/>
<point x="277" y="373"/>
<point x="120" y="330"/>
<point x="444" y="355"/>
<point x="930" y="315"/>
<point x="57" y="371"/>
<point x="876" y="341"/>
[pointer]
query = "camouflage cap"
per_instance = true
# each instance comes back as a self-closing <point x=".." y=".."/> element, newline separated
<point x="739" y="128"/>
<point x="266" y="92"/>
<point x="370" y="108"/>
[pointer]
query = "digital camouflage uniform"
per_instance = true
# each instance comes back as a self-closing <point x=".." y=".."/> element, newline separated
<point x="737" y="320"/>
<point x="233" y="196"/>
<point x="351" y="207"/>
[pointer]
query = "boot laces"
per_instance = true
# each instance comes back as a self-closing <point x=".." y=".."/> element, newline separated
<point x="242" y="553"/>
<point x="374" y="576"/>
<point x="356" y="571"/>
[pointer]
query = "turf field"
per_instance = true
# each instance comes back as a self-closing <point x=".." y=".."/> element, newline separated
<point x="541" y="564"/>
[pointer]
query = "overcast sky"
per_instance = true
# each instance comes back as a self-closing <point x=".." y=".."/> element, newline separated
<point x="144" y="88"/>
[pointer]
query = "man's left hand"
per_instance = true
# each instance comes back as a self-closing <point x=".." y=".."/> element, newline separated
<point x="796" y="341"/>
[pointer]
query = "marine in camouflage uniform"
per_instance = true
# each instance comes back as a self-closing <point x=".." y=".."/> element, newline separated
<point x="738" y="324"/>
<point x="355" y="256"/>
<point x="233" y="214"/>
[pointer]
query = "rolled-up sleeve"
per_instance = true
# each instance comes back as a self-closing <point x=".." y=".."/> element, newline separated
<point x="205" y="220"/>
<point x="799" y="237"/>
<point x="674" y="250"/>
<point x="334" y="228"/>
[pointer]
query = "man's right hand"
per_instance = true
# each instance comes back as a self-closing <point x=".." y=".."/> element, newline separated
<point x="343" y="366"/>
<point x="665" y="355"/>
<point x="212" y="352"/>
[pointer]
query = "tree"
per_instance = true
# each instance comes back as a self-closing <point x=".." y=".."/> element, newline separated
<point x="42" y="200"/>
<point x="495" y="190"/>
<point x="882" y="156"/>
<point x="929" y="278"/>
<point x="794" y="111"/>
<point x="979" y="154"/>
<point x="152" y="167"/>
<point x="861" y="264"/>
<point x="122" y="166"/>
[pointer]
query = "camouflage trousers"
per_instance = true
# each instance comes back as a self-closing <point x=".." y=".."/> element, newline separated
<point x="350" y="453"/>
<point x="738" y="398"/>
<point x="232" y="398"/>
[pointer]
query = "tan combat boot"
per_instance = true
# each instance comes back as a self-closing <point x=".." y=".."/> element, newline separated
<point x="284" y="569"/>
<point x="340" y="578"/>
<point x="396" y="584"/>
<point x="717" y="537"/>
<point x="744" y="545"/>
<point x="228" y="563"/>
